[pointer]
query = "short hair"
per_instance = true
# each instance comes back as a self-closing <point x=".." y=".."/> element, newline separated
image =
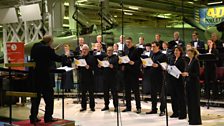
<point x="196" y="33"/>
<point x="156" y="43"/>
<point x="129" y="38"/>
<point x="177" y="33"/>
<point x="148" y="44"/>
<point x="165" y="42"/>
<point x="142" y="37"/>
<point x="47" y="38"/>
<point x="158" y="34"/>
<point x="85" y="46"/>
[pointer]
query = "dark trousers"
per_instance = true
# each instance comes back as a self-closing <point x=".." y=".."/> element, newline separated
<point x="178" y="101"/>
<point x="132" y="84"/>
<point x="48" y="95"/>
<point x="110" y="84"/>
<point x="84" y="89"/>
<point x="157" y="88"/>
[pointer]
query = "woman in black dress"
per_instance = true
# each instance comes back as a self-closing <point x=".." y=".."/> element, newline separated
<point x="177" y="86"/>
<point x="210" y="71"/>
<point x="193" y="87"/>
<point x="67" y="78"/>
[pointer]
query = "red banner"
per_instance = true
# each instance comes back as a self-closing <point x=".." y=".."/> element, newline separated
<point x="15" y="53"/>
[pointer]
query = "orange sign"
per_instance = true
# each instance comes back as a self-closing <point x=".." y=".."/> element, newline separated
<point x="15" y="53"/>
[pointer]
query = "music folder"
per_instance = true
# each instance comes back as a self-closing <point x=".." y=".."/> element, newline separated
<point x="80" y="62"/>
<point x="104" y="63"/>
<point x="174" y="71"/>
<point x="147" y="61"/>
<point x="124" y="59"/>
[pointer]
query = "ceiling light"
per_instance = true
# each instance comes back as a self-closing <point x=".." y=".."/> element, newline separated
<point x="66" y="3"/>
<point x="66" y="17"/>
<point x="65" y="25"/>
<point x="80" y="1"/>
<point x="213" y="3"/>
<point x="133" y="7"/>
<point x="0" y="26"/>
<point x="190" y="2"/>
<point x="115" y="16"/>
<point x="168" y="14"/>
<point x="162" y="16"/>
<point x="128" y="13"/>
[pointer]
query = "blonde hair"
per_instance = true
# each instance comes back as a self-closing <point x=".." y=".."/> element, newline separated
<point x="194" y="51"/>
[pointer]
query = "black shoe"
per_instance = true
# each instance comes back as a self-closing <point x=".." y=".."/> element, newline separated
<point x="34" y="120"/>
<point x="182" y="117"/>
<point x="174" y="115"/>
<point x="115" y="110"/>
<point x="126" y="110"/>
<point x="161" y="113"/>
<point x="105" y="108"/>
<point x="83" y="109"/>
<point x="151" y="112"/>
<point x="50" y="120"/>
<point x="92" y="109"/>
<point x="138" y="111"/>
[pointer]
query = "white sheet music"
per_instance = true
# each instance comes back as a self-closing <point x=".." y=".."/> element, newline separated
<point x="124" y="59"/>
<point x="147" y="61"/>
<point x="66" y="68"/>
<point x="164" y="65"/>
<point x="174" y="71"/>
<point x="80" y="62"/>
<point x="104" y="63"/>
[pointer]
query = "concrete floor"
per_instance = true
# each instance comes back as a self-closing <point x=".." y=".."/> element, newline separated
<point x="211" y="117"/>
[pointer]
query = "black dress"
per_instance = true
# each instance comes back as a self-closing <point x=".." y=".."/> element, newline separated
<point x="67" y="78"/>
<point x="193" y="92"/>
<point x="177" y="92"/>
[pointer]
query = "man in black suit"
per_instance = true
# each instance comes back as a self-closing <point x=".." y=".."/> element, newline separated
<point x="79" y="48"/>
<point x="156" y="79"/>
<point x="87" y="79"/>
<point x="44" y="56"/>
<point x="99" y="40"/>
<point x="176" y="41"/>
<point x="158" y="39"/>
<point x="198" y="44"/>
<point x="131" y="74"/>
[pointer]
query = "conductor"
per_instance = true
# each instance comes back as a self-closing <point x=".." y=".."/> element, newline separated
<point x="44" y="56"/>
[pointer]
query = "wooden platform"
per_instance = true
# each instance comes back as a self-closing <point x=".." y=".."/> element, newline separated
<point x="60" y="122"/>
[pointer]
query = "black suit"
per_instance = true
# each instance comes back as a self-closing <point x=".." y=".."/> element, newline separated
<point x="131" y="74"/>
<point x="200" y="44"/>
<point x="109" y="76"/>
<point x="156" y="81"/>
<point x="193" y="92"/>
<point x="43" y="56"/>
<point x="160" y="44"/>
<point x="87" y="80"/>
<point x="177" y="90"/>
<point x="172" y="44"/>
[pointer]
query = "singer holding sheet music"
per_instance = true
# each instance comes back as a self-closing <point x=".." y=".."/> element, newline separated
<point x="109" y="76"/>
<point x="131" y="73"/>
<point x="156" y="79"/>
<point x="87" y="78"/>
<point x="176" y="86"/>
<point x="193" y="87"/>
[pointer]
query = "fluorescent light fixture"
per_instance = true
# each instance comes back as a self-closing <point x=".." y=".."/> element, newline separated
<point x="65" y="25"/>
<point x="0" y="26"/>
<point x="115" y="16"/>
<point x="168" y="14"/>
<point x="126" y="13"/>
<point x="80" y="1"/>
<point x="213" y="3"/>
<point x="66" y="3"/>
<point x="162" y="16"/>
<point x="67" y="18"/>
<point x="190" y="2"/>
<point x="133" y="7"/>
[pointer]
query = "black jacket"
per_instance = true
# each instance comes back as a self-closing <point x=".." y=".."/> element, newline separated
<point x="44" y="57"/>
